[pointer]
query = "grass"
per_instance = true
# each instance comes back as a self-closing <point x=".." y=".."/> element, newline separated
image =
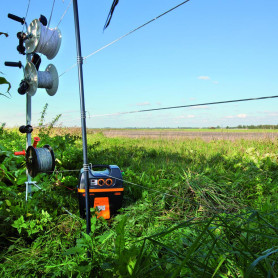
<point x="194" y="209"/>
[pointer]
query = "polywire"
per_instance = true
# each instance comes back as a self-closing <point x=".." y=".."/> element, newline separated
<point x="27" y="10"/>
<point x="61" y="19"/>
<point x="185" y="106"/>
<point x="136" y="29"/>
<point x="49" y="20"/>
<point x="45" y="43"/>
<point x="164" y="193"/>
<point x="147" y="188"/>
<point x="66" y="210"/>
<point x="123" y="36"/>
<point x="182" y="106"/>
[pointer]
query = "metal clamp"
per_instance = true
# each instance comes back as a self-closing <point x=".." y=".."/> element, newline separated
<point x="80" y="60"/>
<point x="83" y="115"/>
<point x="86" y="167"/>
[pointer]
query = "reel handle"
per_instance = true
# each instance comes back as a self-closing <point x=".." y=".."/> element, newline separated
<point x="20" y="153"/>
<point x="17" y="18"/>
<point x="36" y="140"/>
<point x="13" y="64"/>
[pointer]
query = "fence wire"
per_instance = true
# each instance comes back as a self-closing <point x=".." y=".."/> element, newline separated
<point x="125" y="35"/>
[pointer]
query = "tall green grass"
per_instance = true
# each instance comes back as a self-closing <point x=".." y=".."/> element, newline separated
<point x="194" y="209"/>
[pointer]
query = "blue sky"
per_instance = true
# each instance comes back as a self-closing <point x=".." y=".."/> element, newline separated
<point x="204" y="51"/>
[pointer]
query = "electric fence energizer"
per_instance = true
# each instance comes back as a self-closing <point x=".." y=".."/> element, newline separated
<point x="105" y="190"/>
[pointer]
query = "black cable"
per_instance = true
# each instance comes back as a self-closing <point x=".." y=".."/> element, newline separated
<point x="186" y="106"/>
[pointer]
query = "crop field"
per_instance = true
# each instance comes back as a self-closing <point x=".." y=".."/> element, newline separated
<point x="194" y="206"/>
<point x="204" y="134"/>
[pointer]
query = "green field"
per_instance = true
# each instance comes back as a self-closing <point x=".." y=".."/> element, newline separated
<point x="191" y="209"/>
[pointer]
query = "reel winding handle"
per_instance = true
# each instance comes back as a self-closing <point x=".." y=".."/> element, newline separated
<point x="13" y="64"/>
<point x="17" y="18"/>
<point x="20" y="153"/>
<point x="36" y="140"/>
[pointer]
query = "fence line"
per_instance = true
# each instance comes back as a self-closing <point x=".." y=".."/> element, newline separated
<point x="125" y="35"/>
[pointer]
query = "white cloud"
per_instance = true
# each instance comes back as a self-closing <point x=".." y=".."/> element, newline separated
<point x="143" y="103"/>
<point x="186" y="117"/>
<point x="270" y="113"/>
<point x="204" y="77"/>
<point x="242" y="116"/>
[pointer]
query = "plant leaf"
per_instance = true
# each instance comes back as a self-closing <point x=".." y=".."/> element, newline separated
<point x="258" y="260"/>
<point x="4" y="81"/>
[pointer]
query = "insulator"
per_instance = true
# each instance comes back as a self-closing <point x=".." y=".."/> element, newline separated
<point x="47" y="79"/>
<point x="20" y="48"/>
<point x="23" y="87"/>
<point x="43" y="40"/>
<point x="43" y="20"/>
<point x="26" y="129"/>
<point x="36" y="60"/>
<point x="40" y="160"/>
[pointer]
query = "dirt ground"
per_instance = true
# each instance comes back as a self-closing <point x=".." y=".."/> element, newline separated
<point x="176" y="134"/>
